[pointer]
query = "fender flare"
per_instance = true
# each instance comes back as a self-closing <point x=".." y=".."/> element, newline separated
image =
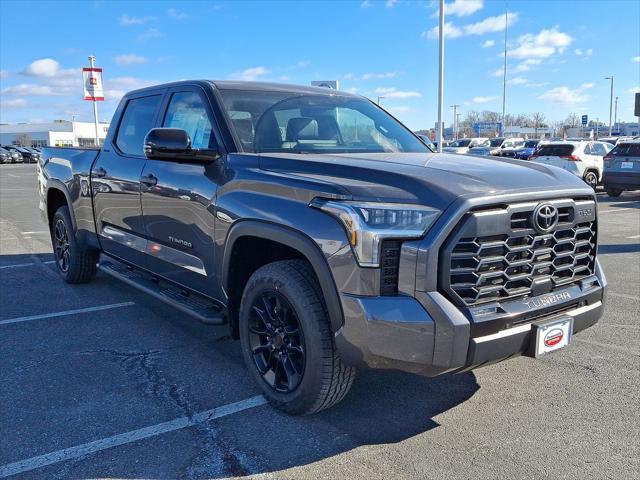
<point x="298" y="241"/>
<point x="53" y="184"/>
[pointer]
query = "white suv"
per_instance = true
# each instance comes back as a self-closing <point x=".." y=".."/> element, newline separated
<point x="464" y="144"/>
<point x="583" y="159"/>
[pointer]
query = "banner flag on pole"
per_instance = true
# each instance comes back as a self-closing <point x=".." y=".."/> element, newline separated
<point x="92" y="81"/>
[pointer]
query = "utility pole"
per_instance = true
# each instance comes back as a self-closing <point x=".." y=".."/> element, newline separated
<point x="504" y="72"/>
<point x="439" y="134"/>
<point x="615" y="113"/>
<point x="92" y="60"/>
<point x="379" y="98"/>
<point x="455" y="121"/>
<point x="610" y="103"/>
<point x="458" y="115"/>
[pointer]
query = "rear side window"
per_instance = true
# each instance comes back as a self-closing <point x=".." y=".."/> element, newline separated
<point x="137" y="120"/>
<point x="627" y="150"/>
<point x="556" y="150"/>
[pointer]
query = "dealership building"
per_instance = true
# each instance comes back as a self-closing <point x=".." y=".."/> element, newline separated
<point x="59" y="133"/>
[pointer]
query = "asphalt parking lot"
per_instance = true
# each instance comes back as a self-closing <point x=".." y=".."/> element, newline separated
<point x="101" y="381"/>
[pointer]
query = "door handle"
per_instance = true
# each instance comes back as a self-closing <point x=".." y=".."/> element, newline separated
<point x="149" y="180"/>
<point x="100" y="172"/>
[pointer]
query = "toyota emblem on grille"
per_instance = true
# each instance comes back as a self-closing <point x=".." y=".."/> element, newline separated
<point x="545" y="217"/>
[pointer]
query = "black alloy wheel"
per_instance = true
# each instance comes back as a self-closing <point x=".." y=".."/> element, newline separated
<point x="61" y="245"/>
<point x="276" y="341"/>
<point x="591" y="179"/>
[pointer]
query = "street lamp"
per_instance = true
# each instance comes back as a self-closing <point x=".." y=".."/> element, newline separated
<point x="379" y="98"/>
<point x="610" y="103"/>
<point x="455" y="121"/>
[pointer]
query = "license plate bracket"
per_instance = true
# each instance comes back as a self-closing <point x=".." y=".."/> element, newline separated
<point x="551" y="335"/>
<point x="626" y="165"/>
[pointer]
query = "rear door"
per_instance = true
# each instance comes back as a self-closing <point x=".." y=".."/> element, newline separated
<point x="178" y="198"/>
<point x="115" y="180"/>
<point x="555" y="154"/>
<point x="598" y="151"/>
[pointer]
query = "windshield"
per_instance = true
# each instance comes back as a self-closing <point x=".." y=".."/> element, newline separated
<point x="531" y="144"/>
<point x="293" y="123"/>
<point x="496" y="142"/>
<point x="461" y="143"/>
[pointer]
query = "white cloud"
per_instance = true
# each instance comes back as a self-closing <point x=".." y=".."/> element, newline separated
<point x="26" y="89"/>
<point x="366" y="4"/>
<point x="460" y="8"/>
<point x="583" y="53"/>
<point x="539" y="84"/>
<point x="130" y="59"/>
<point x="482" y="99"/>
<point x="526" y="65"/>
<point x="4" y="73"/>
<point x="541" y="45"/>
<point x="497" y="73"/>
<point x="636" y="59"/>
<point x="391" y="3"/>
<point x="488" y="25"/>
<point x="634" y="90"/>
<point x="393" y="93"/>
<point x="173" y="13"/>
<point x="567" y="96"/>
<point x="251" y="74"/>
<point x="370" y="75"/>
<point x="46" y="67"/>
<point x="488" y="43"/>
<point x="450" y="31"/>
<point x="15" y="103"/>
<point x="150" y="33"/>
<point x="517" y="81"/>
<point x="303" y="64"/>
<point x="126" y="20"/>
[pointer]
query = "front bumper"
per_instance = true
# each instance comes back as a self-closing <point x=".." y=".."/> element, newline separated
<point x="428" y="335"/>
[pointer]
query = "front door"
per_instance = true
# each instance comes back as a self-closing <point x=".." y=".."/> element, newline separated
<point x="115" y="181"/>
<point x="178" y="199"/>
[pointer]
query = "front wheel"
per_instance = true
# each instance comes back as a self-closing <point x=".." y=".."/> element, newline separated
<point x="286" y="341"/>
<point x="591" y="179"/>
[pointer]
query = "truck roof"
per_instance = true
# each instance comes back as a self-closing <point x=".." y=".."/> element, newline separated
<point x="254" y="86"/>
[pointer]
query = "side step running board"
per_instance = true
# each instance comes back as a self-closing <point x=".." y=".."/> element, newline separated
<point x="194" y="305"/>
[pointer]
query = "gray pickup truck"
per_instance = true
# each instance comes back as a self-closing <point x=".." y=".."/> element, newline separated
<point x="326" y="234"/>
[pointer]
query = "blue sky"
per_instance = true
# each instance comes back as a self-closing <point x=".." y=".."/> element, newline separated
<point x="559" y="52"/>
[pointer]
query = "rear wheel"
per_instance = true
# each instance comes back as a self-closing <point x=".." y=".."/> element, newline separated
<point x="613" y="192"/>
<point x="591" y="179"/>
<point x="75" y="264"/>
<point x="286" y="340"/>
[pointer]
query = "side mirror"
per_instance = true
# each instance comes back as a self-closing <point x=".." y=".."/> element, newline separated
<point x="174" y="144"/>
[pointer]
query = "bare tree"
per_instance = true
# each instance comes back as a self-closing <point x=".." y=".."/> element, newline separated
<point x="24" y="140"/>
<point x="538" y="119"/>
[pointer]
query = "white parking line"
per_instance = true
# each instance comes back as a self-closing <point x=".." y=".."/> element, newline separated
<point x="634" y="236"/>
<point x="34" y="232"/>
<point x="128" y="437"/>
<point x="628" y="210"/>
<point x="65" y="313"/>
<point x="17" y="265"/>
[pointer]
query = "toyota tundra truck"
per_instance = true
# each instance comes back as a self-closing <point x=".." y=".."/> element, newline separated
<point x="325" y="234"/>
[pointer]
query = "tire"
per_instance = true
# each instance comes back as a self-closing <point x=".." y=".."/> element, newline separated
<point x="74" y="263"/>
<point x="591" y="179"/>
<point x="613" y="192"/>
<point x="319" y="379"/>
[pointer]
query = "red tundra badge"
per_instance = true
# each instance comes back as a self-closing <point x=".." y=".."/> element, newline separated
<point x="554" y="337"/>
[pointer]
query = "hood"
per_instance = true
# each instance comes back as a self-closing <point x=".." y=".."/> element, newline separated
<point x="428" y="179"/>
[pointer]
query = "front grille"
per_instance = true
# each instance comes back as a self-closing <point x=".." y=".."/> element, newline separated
<point x="390" y="264"/>
<point x="495" y="254"/>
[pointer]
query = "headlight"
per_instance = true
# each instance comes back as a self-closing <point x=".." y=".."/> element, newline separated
<point x="368" y="223"/>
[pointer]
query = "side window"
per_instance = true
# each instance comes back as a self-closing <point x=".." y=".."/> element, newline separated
<point x="136" y="122"/>
<point x="598" y="149"/>
<point x="588" y="150"/>
<point x="186" y="111"/>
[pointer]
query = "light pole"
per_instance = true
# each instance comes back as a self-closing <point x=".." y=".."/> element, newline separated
<point x="455" y="121"/>
<point x="610" y="102"/>
<point x="615" y="113"/>
<point x="504" y="71"/>
<point x="440" y="77"/>
<point x="379" y="98"/>
<point x="458" y="115"/>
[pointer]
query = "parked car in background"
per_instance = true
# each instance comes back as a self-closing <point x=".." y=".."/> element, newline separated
<point x="622" y="168"/>
<point x="27" y="156"/>
<point x="528" y="149"/>
<point x="485" y="150"/>
<point x="510" y="145"/>
<point x="464" y="144"/>
<point x="427" y="141"/>
<point x="611" y="140"/>
<point x="5" y="156"/>
<point x="445" y="143"/>
<point x="16" y="155"/>
<point x="584" y="159"/>
<point x="35" y="153"/>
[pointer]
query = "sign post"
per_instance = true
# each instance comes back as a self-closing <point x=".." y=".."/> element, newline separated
<point x="93" y="91"/>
